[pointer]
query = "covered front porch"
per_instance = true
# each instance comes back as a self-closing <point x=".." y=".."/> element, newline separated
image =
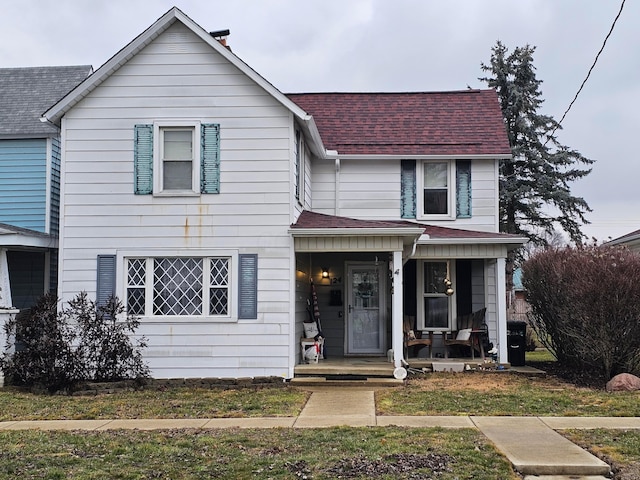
<point x="364" y="279"/>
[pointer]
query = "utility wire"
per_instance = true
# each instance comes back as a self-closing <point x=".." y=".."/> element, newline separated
<point x="588" y="73"/>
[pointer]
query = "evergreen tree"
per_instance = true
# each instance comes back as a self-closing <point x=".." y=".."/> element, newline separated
<point x="535" y="196"/>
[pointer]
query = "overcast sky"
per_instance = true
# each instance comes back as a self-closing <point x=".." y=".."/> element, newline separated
<point x="399" y="45"/>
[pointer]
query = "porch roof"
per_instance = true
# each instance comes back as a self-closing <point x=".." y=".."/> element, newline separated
<point x="319" y="224"/>
<point x="12" y="236"/>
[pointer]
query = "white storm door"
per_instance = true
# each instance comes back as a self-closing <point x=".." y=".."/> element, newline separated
<point x="366" y="287"/>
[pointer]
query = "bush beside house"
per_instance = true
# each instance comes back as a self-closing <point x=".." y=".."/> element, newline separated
<point x="52" y="350"/>
<point x="584" y="306"/>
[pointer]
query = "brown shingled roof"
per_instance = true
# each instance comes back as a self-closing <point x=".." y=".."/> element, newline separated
<point x="467" y="122"/>
<point x="311" y="220"/>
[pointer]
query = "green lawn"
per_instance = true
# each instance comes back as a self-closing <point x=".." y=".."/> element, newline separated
<point x="381" y="453"/>
<point x="167" y="403"/>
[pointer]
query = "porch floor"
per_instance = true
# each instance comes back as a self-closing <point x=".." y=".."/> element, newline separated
<point x="374" y="366"/>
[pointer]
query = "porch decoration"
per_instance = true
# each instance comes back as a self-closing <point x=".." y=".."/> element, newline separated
<point x="312" y="344"/>
<point x="447" y="282"/>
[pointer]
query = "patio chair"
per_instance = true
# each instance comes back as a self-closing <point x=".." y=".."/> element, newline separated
<point x="470" y="329"/>
<point x="411" y="339"/>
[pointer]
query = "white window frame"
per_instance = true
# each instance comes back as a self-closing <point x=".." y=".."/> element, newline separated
<point x="149" y="255"/>
<point x="299" y="156"/>
<point x="421" y="295"/>
<point x="158" y="147"/>
<point x="451" y="190"/>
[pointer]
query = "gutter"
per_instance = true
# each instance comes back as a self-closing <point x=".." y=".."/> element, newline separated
<point x="332" y="232"/>
<point x="492" y="156"/>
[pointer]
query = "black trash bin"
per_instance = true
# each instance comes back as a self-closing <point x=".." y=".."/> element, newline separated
<point x="516" y="342"/>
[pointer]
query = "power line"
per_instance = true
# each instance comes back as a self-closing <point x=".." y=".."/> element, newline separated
<point x="590" y="70"/>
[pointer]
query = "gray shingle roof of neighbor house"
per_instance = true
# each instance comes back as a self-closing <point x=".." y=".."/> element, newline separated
<point x="25" y="94"/>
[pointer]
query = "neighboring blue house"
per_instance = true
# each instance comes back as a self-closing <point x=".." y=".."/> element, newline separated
<point x="30" y="180"/>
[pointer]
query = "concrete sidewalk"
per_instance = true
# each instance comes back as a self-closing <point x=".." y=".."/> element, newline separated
<point x="530" y="443"/>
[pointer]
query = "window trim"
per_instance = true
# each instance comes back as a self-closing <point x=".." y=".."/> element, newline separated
<point x="158" y="148"/>
<point x="122" y="283"/>
<point x="299" y="165"/>
<point x="451" y="190"/>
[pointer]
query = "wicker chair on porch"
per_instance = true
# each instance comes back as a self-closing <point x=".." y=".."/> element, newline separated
<point x="411" y="340"/>
<point x="470" y="329"/>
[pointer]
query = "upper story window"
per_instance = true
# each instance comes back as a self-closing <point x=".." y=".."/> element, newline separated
<point x="437" y="194"/>
<point x="176" y="158"/>
<point x="435" y="189"/>
<point x="178" y="168"/>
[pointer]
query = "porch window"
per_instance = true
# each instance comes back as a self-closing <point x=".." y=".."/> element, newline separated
<point x="435" y="302"/>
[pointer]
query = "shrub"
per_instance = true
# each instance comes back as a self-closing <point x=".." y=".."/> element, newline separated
<point x="584" y="306"/>
<point x="56" y="349"/>
<point x="104" y="342"/>
<point x="42" y="341"/>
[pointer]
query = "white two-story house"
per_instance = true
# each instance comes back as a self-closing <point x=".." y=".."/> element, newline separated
<point x="209" y="202"/>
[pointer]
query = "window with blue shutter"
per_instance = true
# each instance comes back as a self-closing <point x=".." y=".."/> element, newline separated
<point x="463" y="188"/>
<point x="210" y="158"/>
<point x="408" y="189"/>
<point x="143" y="160"/>
<point x="106" y="279"/>
<point x="248" y="286"/>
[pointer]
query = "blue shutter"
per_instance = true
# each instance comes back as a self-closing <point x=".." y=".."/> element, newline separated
<point x="106" y="281"/>
<point x="248" y="286"/>
<point x="408" y="189"/>
<point x="143" y="160"/>
<point x="463" y="189"/>
<point x="210" y="158"/>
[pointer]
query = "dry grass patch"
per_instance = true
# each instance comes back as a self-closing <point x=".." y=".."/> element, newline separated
<point x="489" y="393"/>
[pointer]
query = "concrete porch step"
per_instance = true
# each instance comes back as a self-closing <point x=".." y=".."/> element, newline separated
<point x="345" y="381"/>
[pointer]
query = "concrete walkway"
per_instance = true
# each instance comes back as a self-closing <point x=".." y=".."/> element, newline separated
<point x="531" y="444"/>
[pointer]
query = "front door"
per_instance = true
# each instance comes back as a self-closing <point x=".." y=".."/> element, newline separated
<point x="365" y="326"/>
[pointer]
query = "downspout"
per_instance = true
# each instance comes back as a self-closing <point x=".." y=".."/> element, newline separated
<point x="413" y="251"/>
<point x="337" y="188"/>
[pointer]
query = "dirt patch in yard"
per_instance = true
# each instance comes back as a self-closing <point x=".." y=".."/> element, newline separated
<point x="482" y="382"/>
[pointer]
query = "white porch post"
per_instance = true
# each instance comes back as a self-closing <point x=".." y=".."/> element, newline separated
<point x="5" y="287"/>
<point x="6" y="310"/>
<point x="501" y="309"/>
<point x="397" y="309"/>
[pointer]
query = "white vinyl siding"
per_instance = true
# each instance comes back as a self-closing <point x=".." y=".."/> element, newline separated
<point x="177" y="77"/>
<point x="371" y="189"/>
